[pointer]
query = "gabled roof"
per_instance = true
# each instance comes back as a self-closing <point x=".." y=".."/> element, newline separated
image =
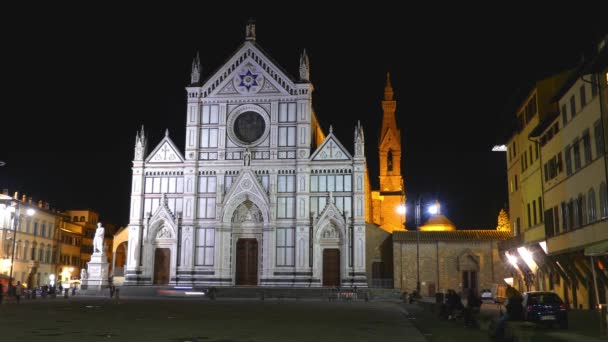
<point x="165" y="152"/>
<point x="331" y="149"/>
<point x="458" y="235"/>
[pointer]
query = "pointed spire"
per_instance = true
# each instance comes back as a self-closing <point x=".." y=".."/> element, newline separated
<point x="140" y="144"/>
<point x="195" y="76"/>
<point x="331" y="129"/>
<point x="166" y="132"/>
<point x="250" y="30"/>
<point x="304" y="67"/>
<point x="388" y="89"/>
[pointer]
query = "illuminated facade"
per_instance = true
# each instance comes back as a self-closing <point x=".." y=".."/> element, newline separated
<point x="554" y="254"/>
<point x="35" y="246"/>
<point x="388" y="203"/>
<point x="259" y="197"/>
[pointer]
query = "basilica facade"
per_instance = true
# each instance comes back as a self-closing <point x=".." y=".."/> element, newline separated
<point x="261" y="195"/>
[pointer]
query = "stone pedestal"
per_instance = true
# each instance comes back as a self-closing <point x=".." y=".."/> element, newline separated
<point x="97" y="273"/>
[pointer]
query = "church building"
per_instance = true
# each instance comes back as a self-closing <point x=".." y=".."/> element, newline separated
<point x="261" y="195"/>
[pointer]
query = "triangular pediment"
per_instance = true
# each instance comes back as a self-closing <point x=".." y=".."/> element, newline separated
<point x="165" y="152"/>
<point x="245" y="187"/>
<point x="162" y="222"/>
<point x="249" y="72"/>
<point x="330" y="223"/>
<point x="331" y="149"/>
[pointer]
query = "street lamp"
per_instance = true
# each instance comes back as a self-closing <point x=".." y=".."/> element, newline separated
<point x="15" y="209"/>
<point x="418" y="219"/>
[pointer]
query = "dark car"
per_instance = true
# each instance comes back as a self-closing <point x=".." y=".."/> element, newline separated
<point x="546" y="308"/>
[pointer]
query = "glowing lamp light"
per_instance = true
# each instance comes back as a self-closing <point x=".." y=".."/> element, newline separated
<point x="401" y="210"/>
<point x="512" y="259"/>
<point x="543" y="245"/>
<point x="30" y="212"/>
<point x="5" y="265"/>
<point x="433" y="209"/>
<point x="526" y="256"/>
<point x="509" y="281"/>
<point x="499" y="148"/>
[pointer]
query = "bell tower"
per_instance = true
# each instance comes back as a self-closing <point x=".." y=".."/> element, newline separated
<point x="392" y="191"/>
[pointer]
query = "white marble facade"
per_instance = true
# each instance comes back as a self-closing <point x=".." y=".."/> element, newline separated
<point x="250" y="170"/>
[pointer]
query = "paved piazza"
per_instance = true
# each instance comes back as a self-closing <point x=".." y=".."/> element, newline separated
<point x="203" y="320"/>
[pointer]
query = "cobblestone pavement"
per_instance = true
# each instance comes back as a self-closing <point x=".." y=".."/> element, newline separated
<point x="96" y="319"/>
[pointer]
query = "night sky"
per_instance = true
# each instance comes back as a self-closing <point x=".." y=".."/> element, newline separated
<point x="77" y="88"/>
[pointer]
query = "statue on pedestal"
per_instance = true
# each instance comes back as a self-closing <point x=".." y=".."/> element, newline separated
<point x="98" y="240"/>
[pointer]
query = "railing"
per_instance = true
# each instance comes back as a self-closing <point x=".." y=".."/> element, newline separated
<point x="383" y="283"/>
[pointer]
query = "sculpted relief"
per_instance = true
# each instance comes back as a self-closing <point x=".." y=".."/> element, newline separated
<point x="247" y="212"/>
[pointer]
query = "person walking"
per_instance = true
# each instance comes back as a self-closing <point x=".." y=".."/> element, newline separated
<point x="515" y="311"/>
<point x="18" y="291"/>
<point x="472" y="309"/>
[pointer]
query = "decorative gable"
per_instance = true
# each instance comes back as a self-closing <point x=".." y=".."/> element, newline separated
<point x="246" y="188"/>
<point x="389" y="140"/>
<point x="249" y="72"/>
<point x="165" y="152"/>
<point x="331" y="149"/>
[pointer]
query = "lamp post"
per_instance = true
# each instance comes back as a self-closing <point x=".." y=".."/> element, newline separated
<point x="418" y="218"/>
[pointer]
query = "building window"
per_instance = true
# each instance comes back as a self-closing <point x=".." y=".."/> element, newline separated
<point x="583" y="96"/>
<point x="287" y="136"/>
<point x="209" y="137"/>
<point x="286" y="207"/>
<point x="337" y="183"/>
<point x="556" y="219"/>
<point x="75" y="219"/>
<point x="587" y="146"/>
<point x="604" y="200"/>
<point x="389" y="160"/>
<point x="534" y="211"/>
<point x="43" y="230"/>
<point x="577" y="154"/>
<point x="205" y="242"/>
<point x="565" y="215"/>
<point x="529" y="216"/>
<point x="206" y="207"/>
<point x="514" y="149"/>
<point x="531" y="160"/>
<point x="599" y="138"/>
<point x="207" y="184"/>
<point x="572" y="106"/>
<point x="515" y="182"/>
<point x="591" y="209"/>
<point x="564" y="115"/>
<point x="287" y="112"/>
<point x="35" y="228"/>
<point x="540" y="209"/>
<point x="286" y="183"/>
<point x="568" y="157"/>
<point x="549" y="227"/>
<point x="210" y="114"/>
<point x="285" y="247"/>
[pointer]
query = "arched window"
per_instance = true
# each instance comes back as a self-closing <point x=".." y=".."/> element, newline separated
<point x="389" y="160"/>
<point x="603" y="200"/>
<point x="41" y="253"/>
<point x="75" y="219"/>
<point x="574" y="213"/>
<point x="591" y="210"/>
<point x="33" y="254"/>
<point x="582" y="212"/>
<point x="26" y="249"/>
<point x="81" y="218"/>
<point x="47" y="257"/>
<point x="18" y="252"/>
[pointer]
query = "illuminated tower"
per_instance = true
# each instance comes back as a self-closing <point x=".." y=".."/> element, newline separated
<point x="392" y="192"/>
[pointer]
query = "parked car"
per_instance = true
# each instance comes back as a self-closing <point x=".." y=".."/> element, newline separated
<point x="486" y="295"/>
<point x="545" y="307"/>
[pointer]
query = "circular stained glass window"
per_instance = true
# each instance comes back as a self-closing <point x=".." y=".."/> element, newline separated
<point x="249" y="127"/>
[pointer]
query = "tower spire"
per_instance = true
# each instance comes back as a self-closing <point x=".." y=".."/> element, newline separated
<point x="388" y="89"/>
<point x="195" y="76"/>
<point x="304" y="67"/>
<point x="250" y="30"/>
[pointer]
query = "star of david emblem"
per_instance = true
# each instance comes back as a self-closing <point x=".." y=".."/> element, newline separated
<point x="248" y="80"/>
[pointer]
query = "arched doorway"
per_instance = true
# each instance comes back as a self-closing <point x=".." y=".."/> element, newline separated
<point x="162" y="266"/>
<point x="246" y="262"/>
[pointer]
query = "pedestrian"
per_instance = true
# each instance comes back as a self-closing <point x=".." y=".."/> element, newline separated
<point x="73" y="290"/>
<point x="472" y="309"/>
<point x="18" y="292"/>
<point x="112" y="289"/>
<point x="515" y="311"/>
